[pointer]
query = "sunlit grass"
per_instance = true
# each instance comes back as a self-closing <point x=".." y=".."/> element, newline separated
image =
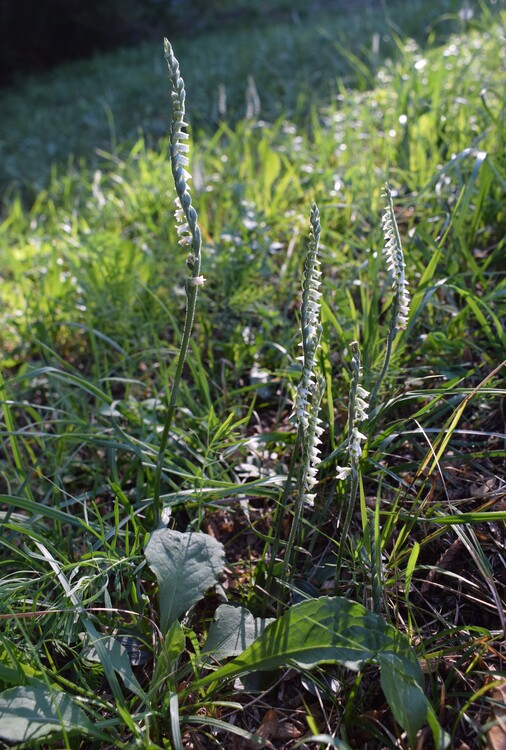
<point x="93" y="281"/>
<point x="67" y="114"/>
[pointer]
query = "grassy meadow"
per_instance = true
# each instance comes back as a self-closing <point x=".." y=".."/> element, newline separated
<point x="299" y="543"/>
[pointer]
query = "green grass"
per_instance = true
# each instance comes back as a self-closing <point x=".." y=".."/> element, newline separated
<point x="294" y="59"/>
<point x="93" y="289"/>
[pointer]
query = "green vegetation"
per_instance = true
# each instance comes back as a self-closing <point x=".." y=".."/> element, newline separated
<point x="294" y="60"/>
<point x="269" y="550"/>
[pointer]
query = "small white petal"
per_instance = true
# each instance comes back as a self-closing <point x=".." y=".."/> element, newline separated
<point x="197" y="281"/>
<point x="357" y="436"/>
<point x="343" y="472"/>
<point x="361" y="415"/>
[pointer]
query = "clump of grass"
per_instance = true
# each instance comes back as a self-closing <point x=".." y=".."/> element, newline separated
<point x="89" y="110"/>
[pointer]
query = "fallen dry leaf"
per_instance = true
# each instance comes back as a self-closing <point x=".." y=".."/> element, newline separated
<point x="269" y="725"/>
<point x="288" y="731"/>
<point x="496" y="735"/>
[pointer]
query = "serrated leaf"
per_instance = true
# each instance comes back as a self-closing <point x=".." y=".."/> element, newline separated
<point x="233" y="630"/>
<point x="186" y="565"/>
<point x="34" y="712"/>
<point x="330" y="630"/>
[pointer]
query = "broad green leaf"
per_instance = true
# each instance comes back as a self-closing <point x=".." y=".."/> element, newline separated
<point x="337" y="630"/>
<point x="233" y="630"/>
<point x="186" y="565"/>
<point x="34" y="712"/>
<point x="401" y="686"/>
<point x="271" y="165"/>
<point x="173" y="646"/>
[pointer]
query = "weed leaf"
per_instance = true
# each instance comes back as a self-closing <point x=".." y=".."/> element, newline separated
<point x="401" y="686"/>
<point x="186" y="565"/>
<point x="233" y="631"/>
<point x="33" y="712"/>
<point x="337" y="630"/>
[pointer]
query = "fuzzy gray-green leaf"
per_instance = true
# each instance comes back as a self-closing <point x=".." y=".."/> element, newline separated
<point x="34" y="712"/>
<point x="186" y="565"/>
<point x="233" y="630"/>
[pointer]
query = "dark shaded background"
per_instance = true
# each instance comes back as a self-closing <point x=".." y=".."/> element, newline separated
<point x="36" y="35"/>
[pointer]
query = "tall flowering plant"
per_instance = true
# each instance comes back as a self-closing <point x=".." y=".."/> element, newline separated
<point x="393" y="252"/>
<point x="189" y="236"/>
<point x="311" y="385"/>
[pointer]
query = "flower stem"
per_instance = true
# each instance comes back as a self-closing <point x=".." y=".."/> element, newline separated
<point x="190" y="235"/>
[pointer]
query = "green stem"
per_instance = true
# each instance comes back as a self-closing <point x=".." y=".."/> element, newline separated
<point x="392" y="331"/>
<point x="279" y="516"/>
<point x="288" y="560"/>
<point x="190" y="234"/>
<point x="354" y="460"/>
<point x="346" y="525"/>
<point x="191" y="302"/>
